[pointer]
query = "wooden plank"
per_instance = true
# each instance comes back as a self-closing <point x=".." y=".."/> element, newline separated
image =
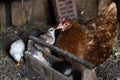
<point x="45" y="71"/>
<point x="48" y="73"/>
<point x="29" y="11"/>
<point x="17" y="17"/>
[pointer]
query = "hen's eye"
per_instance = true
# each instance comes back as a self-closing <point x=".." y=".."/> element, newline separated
<point x="66" y="24"/>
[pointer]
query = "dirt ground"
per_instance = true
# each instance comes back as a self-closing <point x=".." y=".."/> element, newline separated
<point x="109" y="70"/>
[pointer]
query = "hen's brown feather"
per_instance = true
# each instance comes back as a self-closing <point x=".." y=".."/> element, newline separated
<point x="92" y="41"/>
<point x="103" y="31"/>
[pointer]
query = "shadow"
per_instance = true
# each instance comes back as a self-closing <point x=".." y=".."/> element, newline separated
<point x="51" y="18"/>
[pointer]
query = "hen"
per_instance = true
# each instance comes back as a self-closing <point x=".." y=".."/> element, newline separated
<point x="92" y="41"/>
<point x="49" y="36"/>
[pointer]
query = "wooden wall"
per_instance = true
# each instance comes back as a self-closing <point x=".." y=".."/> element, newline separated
<point x="2" y="13"/>
<point x="86" y="9"/>
<point x="35" y="11"/>
<point x="30" y="11"/>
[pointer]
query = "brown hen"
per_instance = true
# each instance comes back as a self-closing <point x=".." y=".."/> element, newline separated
<point x="92" y="41"/>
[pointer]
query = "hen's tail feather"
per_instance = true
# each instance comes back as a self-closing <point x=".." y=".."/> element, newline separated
<point x="111" y="10"/>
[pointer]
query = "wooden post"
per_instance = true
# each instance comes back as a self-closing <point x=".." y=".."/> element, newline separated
<point x="8" y="13"/>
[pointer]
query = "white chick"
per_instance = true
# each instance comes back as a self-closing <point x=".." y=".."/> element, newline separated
<point x="41" y="58"/>
<point x="36" y="53"/>
<point x="17" y="50"/>
<point x="48" y="37"/>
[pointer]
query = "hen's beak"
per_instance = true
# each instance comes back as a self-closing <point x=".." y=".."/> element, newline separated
<point x="59" y="26"/>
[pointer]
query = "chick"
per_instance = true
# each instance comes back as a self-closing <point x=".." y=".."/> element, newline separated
<point x="38" y="55"/>
<point x="17" y="49"/>
<point x="32" y="50"/>
<point x="49" y="38"/>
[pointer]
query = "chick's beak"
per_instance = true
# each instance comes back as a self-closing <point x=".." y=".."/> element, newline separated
<point x="18" y="64"/>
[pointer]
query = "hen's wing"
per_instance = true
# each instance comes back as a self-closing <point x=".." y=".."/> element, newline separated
<point x="104" y="22"/>
<point x="102" y="31"/>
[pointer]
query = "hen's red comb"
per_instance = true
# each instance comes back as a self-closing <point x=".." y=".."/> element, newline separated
<point x="62" y="20"/>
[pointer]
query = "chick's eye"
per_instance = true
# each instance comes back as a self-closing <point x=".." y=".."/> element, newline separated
<point x="50" y="29"/>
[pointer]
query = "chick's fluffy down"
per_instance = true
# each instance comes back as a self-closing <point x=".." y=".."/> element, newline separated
<point x="17" y="49"/>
